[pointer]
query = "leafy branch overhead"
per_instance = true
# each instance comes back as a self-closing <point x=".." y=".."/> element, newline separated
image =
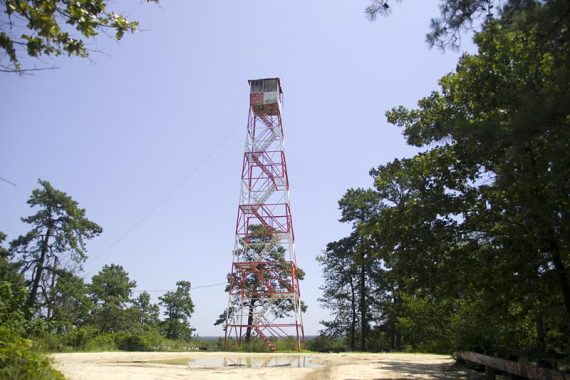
<point x="55" y="27"/>
<point x="456" y="16"/>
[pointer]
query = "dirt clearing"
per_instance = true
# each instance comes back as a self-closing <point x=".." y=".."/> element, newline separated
<point x="224" y="365"/>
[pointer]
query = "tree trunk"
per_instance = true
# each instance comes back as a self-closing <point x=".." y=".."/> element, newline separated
<point x="562" y="276"/>
<point x="249" y="322"/>
<point x="363" y="305"/>
<point x="392" y="327"/>
<point x="353" y="310"/>
<point x="397" y="337"/>
<point x="38" y="274"/>
<point x="50" y="301"/>
<point x="540" y="331"/>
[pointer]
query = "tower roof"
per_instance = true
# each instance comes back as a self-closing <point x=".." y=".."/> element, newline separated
<point x="277" y="79"/>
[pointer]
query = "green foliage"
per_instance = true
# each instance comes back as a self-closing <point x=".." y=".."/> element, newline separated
<point x="113" y="321"/>
<point x="78" y="339"/>
<point x="13" y="292"/>
<point x="178" y="310"/>
<point x="55" y="27"/>
<point x="111" y="290"/>
<point x="59" y="230"/>
<point x="350" y="271"/>
<point x="131" y="342"/>
<point x="72" y="306"/>
<point x="358" y="205"/>
<point x="340" y="293"/>
<point x="323" y="343"/>
<point x="101" y="342"/>
<point x="123" y="341"/>
<point x="55" y="245"/>
<point x="457" y="16"/>
<point x="112" y="286"/>
<point x="94" y="341"/>
<point x="286" y="344"/>
<point x="90" y="338"/>
<point x="472" y="235"/>
<point x="503" y="114"/>
<point x="262" y="248"/>
<point x="145" y="313"/>
<point x="69" y="314"/>
<point x="256" y="344"/>
<point x="19" y="361"/>
<point x="424" y="324"/>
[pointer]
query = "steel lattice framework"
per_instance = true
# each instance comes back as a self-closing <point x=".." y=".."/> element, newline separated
<point x="264" y="297"/>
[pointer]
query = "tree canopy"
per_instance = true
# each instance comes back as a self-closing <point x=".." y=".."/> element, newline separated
<point x="55" y="27"/>
<point x="12" y="290"/>
<point x="44" y="297"/>
<point x="54" y="245"/>
<point x="472" y="233"/>
<point x="178" y="307"/>
<point x="111" y="290"/>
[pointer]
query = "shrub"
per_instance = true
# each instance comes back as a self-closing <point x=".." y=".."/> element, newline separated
<point x="131" y="342"/>
<point x="19" y="361"/>
<point x="102" y="342"/>
<point x="77" y="339"/>
<point x="322" y="343"/>
<point x="286" y="344"/>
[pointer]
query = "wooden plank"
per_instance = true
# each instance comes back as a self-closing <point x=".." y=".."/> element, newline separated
<point x="528" y="371"/>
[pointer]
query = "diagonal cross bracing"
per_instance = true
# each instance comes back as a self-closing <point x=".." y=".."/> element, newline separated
<point x="264" y="274"/>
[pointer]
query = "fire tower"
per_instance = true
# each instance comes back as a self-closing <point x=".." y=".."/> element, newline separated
<point x="264" y="298"/>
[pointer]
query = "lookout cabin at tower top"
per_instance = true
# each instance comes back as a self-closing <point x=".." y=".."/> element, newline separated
<point x="265" y="96"/>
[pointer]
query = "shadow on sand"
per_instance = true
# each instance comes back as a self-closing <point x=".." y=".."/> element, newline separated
<point x="431" y="371"/>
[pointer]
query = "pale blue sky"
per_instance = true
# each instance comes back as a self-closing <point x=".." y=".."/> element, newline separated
<point x="160" y="119"/>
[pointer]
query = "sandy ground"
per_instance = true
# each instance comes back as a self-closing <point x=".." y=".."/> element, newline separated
<point x="223" y="365"/>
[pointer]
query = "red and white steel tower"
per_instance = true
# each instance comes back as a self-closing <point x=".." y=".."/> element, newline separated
<point x="264" y="297"/>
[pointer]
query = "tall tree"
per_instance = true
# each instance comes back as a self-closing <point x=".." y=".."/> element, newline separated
<point x="424" y="201"/>
<point x="505" y="110"/>
<point x="72" y="306"/>
<point x="55" y="244"/>
<point x="54" y="27"/>
<point x="111" y="290"/>
<point x="472" y="233"/>
<point x="178" y="307"/>
<point x="146" y="313"/>
<point x="418" y="238"/>
<point x="18" y="360"/>
<point x="502" y="118"/>
<point x="359" y="206"/>
<point x="340" y="289"/>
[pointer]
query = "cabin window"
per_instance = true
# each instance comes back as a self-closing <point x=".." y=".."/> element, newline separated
<point x="256" y="86"/>
<point x="270" y="85"/>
